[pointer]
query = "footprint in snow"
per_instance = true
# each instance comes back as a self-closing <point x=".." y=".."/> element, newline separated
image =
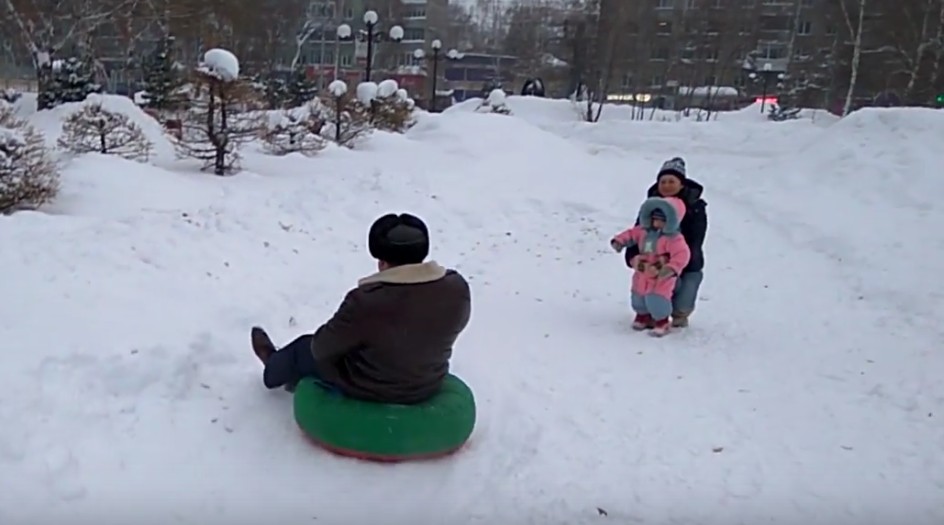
<point x="62" y="474"/>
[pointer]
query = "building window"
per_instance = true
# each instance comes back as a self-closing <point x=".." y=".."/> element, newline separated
<point x="659" y="53"/>
<point x="346" y="60"/>
<point x="711" y="54"/>
<point x="804" y="27"/>
<point x="414" y="33"/>
<point x="418" y="11"/>
<point x="711" y="80"/>
<point x="687" y="53"/>
<point x="657" y="81"/>
<point x="830" y="30"/>
<point x="664" y="28"/>
<point x="348" y="13"/>
<point x="690" y="4"/>
<point x="771" y="51"/>
<point x="324" y="10"/>
<point x="627" y="80"/>
<point x="665" y="4"/>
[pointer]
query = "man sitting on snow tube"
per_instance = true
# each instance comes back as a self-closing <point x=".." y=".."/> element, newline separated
<point x="391" y="339"/>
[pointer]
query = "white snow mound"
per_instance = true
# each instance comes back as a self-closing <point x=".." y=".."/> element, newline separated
<point x="387" y="88"/>
<point x="221" y="63"/>
<point x="367" y="92"/>
<point x="338" y="88"/>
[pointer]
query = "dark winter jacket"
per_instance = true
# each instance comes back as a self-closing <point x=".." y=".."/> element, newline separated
<point x="391" y="339"/>
<point x="694" y="225"/>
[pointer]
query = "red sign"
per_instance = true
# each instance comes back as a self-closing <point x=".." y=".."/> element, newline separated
<point x="411" y="83"/>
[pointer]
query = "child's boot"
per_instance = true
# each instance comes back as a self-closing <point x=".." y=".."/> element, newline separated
<point x="642" y="322"/>
<point x="660" y="327"/>
<point x="680" y="319"/>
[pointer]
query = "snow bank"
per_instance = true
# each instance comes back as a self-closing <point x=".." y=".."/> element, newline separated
<point x="866" y="190"/>
<point x="49" y="122"/>
<point x="556" y="112"/>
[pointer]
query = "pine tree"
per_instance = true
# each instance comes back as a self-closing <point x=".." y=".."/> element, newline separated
<point x="162" y="79"/>
<point x="300" y="89"/>
<point x="68" y="80"/>
<point x="276" y="92"/>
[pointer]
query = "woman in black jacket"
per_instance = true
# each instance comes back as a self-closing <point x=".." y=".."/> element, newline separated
<point x="672" y="182"/>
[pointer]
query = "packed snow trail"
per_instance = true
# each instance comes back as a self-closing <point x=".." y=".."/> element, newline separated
<point x="788" y="399"/>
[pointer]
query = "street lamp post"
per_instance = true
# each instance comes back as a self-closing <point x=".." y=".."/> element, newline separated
<point x="766" y="73"/>
<point x="436" y="46"/>
<point x="370" y="35"/>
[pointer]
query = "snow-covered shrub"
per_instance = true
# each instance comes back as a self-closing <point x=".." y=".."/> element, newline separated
<point x="217" y="123"/>
<point x="29" y="176"/>
<point x="296" y="130"/>
<point x="348" y="118"/>
<point x="392" y="108"/>
<point x="778" y="113"/>
<point x="94" y="129"/>
<point x="10" y="96"/>
<point x="496" y="102"/>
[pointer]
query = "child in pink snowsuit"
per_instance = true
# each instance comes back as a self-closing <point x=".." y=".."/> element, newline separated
<point x="663" y="254"/>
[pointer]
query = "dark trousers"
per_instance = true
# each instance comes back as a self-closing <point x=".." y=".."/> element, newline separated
<point x="290" y="364"/>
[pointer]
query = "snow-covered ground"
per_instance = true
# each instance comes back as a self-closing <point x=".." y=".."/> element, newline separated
<point x="807" y="390"/>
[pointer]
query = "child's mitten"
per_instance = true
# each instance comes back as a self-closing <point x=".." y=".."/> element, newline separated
<point x="616" y="245"/>
<point x="666" y="272"/>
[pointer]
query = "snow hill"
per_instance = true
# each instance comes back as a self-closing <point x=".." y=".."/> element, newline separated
<point x="807" y="390"/>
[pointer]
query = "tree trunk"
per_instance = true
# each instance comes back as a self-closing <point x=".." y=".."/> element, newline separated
<point x="856" y="51"/>
<point x="921" y="48"/>
<point x="939" y="53"/>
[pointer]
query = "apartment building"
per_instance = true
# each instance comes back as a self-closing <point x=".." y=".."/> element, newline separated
<point x="756" y="47"/>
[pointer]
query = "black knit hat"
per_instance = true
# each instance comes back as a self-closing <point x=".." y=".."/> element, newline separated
<point x="674" y="166"/>
<point x="657" y="213"/>
<point x="398" y="239"/>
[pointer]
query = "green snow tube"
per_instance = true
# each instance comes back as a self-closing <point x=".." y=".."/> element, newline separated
<point x="386" y="432"/>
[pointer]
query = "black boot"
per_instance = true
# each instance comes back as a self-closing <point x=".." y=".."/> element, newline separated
<point x="261" y="344"/>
